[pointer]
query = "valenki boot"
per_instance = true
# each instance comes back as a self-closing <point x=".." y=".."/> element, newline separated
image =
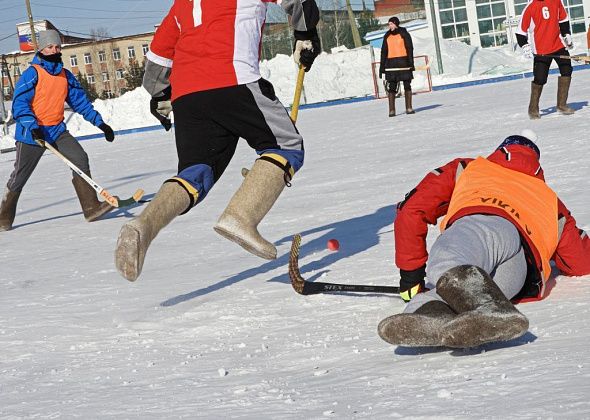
<point x="8" y="209"/>
<point x="408" y="97"/>
<point x="91" y="207"/>
<point x="536" y="91"/>
<point x="391" y="97"/>
<point x="136" y="236"/>
<point x="253" y="200"/>
<point x="563" y="88"/>
<point x="485" y="315"/>
<point x="418" y="329"/>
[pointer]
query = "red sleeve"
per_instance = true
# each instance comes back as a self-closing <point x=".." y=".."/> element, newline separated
<point x="572" y="255"/>
<point x="166" y="36"/>
<point x="421" y="207"/>
<point x="562" y="13"/>
<point x="525" y="20"/>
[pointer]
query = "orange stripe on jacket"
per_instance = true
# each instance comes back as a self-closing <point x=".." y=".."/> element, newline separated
<point x="50" y="94"/>
<point x="525" y="200"/>
<point x="396" y="46"/>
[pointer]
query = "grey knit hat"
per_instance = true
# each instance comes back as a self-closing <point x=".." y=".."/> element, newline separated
<point x="48" y="37"/>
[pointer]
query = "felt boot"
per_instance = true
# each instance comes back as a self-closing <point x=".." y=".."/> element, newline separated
<point x="408" y="96"/>
<point x="8" y="209"/>
<point x="534" y="102"/>
<point x="563" y="88"/>
<point x="91" y="207"/>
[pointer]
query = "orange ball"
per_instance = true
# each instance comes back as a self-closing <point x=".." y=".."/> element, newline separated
<point x="333" y="245"/>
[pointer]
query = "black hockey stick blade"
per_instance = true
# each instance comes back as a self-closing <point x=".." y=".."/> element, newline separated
<point x="304" y="287"/>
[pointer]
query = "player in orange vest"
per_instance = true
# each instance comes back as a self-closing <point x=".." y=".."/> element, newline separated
<point x="397" y="64"/>
<point x="38" y="109"/>
<point x="502" y="226"/>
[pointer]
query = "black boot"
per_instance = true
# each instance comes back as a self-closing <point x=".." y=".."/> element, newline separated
<point x="8" y="209"/>
<point x="408" y="96"/>
<point x="485" y="314"/>
<point x="391" y="97"/>
<point x="91" y="207"/>
<point x="418" y="329"/>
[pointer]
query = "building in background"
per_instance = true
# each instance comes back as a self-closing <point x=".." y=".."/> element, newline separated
<point x="405" y="10"/>
<point x="105" y="64"/>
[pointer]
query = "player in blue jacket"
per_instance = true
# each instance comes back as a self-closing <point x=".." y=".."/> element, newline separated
<point x="38" y="109"/>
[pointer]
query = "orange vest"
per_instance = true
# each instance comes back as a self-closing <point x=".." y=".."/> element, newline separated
<point x="527" y="201"/>
<point x="396" y="47"/>
<point x="50" y="94"/>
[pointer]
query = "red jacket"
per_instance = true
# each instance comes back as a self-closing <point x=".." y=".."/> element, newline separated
<point x="430" y="201"/>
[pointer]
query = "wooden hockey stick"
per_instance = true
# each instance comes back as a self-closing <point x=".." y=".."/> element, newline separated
<point x="426" y="67"/>
<point x="113" y="200"/>
<point x="297" y="96"/>
<point x="583" y="58"/>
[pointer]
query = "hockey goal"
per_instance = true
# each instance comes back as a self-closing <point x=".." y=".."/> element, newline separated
<point x="422" y="82"/>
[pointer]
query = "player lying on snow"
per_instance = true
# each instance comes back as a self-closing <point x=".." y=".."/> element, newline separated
<point x="502" y="226"/>
<point x="204" y="58"/>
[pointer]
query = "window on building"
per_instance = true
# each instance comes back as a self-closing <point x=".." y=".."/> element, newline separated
<point x="105" y="76"/>
<point x="519" y="6"/>
<point x="575" y="11"/>
<point x="145" y="48"/>
<point x="116" y="54"/>
<point x="108" y="94"/>
<point x="90" y="79"/>
<point x="87" y="58"/>
<point x="7" y="90"/>
<point x="73" y="61"/>
<point x="120" y="74"/>
<point x="16" y="71"/>
<point x="102" y="57"/>
<point x="453" y="20"/>
<point x="131" y="52"/>
<point x="491" y="15"/>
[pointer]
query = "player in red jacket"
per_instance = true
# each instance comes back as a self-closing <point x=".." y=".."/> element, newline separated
<point x="544" y="31"/>
<point x="502" y="226"/>
<point x="203" y="64"/>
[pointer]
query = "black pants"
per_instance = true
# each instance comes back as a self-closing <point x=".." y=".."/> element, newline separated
<point x="393" y="87"/>
<point x="542" y="63"/>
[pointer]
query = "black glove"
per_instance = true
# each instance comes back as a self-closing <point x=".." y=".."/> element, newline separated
<point x="37" y="134"/>
<point x="307" y="56"/>
<point x="411" y="282"/>
<point x="109" y="135"/>
<point x="160" y="108"/>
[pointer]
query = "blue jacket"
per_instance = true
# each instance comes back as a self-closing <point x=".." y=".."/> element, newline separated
<point x="23" y="98"/>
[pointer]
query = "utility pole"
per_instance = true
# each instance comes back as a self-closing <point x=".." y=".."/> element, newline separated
<point x="355" y="30"/>
<point x="436" y="42"/>
<point x="33" y="35"/>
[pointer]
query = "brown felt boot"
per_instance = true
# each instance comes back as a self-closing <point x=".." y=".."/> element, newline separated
<point x="91" y="207"/>
<point x="408" y="96"/>
<point x="485" y="314"/>
<point x="563" y="88"/>
<point x="8" y="209"/>
<point x="418" y="329"/>
<point x="391" y="97"/>
<point x="136" y="236"/>
<point x="536" y="90"/>
<point x="253" y="200"/>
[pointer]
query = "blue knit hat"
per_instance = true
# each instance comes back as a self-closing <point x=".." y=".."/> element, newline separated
<point x="526" y="138"/>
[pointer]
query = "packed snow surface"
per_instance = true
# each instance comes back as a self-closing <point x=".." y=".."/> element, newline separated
<point x="210" y="331"/>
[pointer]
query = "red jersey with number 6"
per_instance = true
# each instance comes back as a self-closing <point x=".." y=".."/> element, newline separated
<point x="541" y="18"/>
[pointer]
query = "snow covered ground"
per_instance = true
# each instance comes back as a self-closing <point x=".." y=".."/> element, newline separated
<point x="209" y="331"/>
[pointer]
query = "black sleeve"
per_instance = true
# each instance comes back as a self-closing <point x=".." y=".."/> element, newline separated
<point x="522" y="40"/>
<point x="564" y="28"/>
<point x="305" y="14"/>
<point x="383" y="55"/>
<point x="409" y="46"/>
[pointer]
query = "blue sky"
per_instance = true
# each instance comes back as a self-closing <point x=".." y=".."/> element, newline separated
<point x="79" y="17"/>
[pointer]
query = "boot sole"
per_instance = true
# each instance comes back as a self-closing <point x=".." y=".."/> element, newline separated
<point x="106" y="208"/>
<point x="411" y="330"/>
<point x="475" y="328"/>
<point x="127" y="255"/>
<point x="244" y="244"/>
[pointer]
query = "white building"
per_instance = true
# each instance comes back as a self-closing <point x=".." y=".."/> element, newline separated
<point x="482" y="22"/>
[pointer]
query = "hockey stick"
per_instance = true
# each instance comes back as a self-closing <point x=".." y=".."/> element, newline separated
<point x="113" y="200"/>
<point x="584" y="58"/>
<point x="304" y="287"/>
<point x="408" y="68"/>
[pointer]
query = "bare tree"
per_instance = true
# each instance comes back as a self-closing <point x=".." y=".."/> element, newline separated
<point x="98" y="34"/>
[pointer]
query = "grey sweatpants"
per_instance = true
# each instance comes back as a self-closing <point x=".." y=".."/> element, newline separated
<point x="28" y="156"/>
<point x="489" y="242"/>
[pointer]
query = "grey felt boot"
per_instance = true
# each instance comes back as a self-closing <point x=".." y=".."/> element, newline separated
<point x="536" y="91"/>
<point x="408" y="97"/>
<point x="418" y="329"/>
<point x="563" y="88"/>
<point x="8" y="209"/>
<point x="391" y="97"/>
<point x="253" y="200"/>
<point x="136" y="236"/>
<point x="92" y="208"/>
<point x="485" y="314"/>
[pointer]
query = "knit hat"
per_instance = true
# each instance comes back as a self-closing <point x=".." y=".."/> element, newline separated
<point x="394" y="20"/>
<point x="525" y="138"/>
<point x="48" y="37"/>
